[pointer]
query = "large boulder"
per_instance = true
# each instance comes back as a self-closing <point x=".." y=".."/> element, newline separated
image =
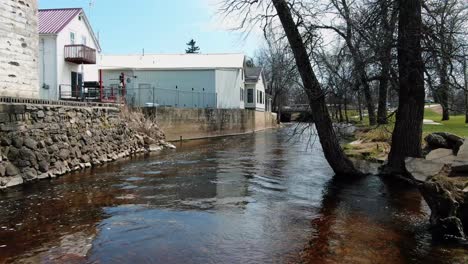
<point x="460" y="164"/>
<point x="422" y="169"/>
<point x="444" y="140"/>
<point x="441" y="155"/>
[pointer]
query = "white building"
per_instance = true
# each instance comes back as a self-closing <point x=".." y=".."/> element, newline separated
<point x="256" y="98"/>
<point x="177" y="80"/>
<point x="68" y="51"/>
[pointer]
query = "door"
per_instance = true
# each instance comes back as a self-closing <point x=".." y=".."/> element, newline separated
<point x="76" y="84"/>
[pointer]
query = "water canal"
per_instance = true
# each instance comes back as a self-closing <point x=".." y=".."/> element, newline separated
<point x="259" y="198"/>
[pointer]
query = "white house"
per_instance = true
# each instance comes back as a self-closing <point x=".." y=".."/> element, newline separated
<point x="68" y="51"/>
<point x="176" y="80"/>
<point x="256" y="98"/>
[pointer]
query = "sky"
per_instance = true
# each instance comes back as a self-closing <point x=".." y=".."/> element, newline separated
<point x="160" y="26"/>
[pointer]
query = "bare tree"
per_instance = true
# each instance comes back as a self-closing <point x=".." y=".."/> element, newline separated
<point x="279" y="69"/>
<point x="290" y="19"/>
<point x="445" y="31"/>
<point x="407" y="135"/>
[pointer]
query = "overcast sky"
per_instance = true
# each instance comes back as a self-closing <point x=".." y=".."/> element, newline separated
<point x="160" y="26"/>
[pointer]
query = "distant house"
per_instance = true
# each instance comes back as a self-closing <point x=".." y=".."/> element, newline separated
<point x="68" y="49"/>
<point x="176" y="80"/>
<point x="255" y="88"/>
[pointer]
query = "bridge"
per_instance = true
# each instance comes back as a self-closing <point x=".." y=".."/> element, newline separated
<point x="297" y="108"/>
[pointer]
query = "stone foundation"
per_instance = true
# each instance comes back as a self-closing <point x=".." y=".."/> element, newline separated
<point x="46" y="141"/>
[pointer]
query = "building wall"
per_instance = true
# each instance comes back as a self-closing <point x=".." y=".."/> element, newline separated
<point x="257" y="87"/>
<point x="170" y="88"/>
<point x="203" y="123"/>
<point x="229" y="82"/>
<point x="64" y="68"/>
<point x="47" y="67"/>
<point x="19" y="75"/>
<point x="260" y="105"/>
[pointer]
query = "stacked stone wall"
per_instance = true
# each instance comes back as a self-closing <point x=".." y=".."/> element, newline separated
<point x="46" y="141"/>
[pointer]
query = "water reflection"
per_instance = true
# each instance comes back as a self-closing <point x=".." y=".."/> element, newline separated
<point x="259" y="198"/>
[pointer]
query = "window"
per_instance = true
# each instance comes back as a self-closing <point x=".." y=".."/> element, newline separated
<point x="72" y="38"/>
<point x="250" y="96"/>
<point x="261" y="97"/>
<point x="258" y="96"/>
<point x="83" y="40"/>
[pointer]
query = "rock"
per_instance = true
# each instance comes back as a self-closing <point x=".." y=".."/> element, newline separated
<point x="17" y="141"/>
<point x="43" y="166"/>
<point x="444" y="140"/>
<point x="461" y="161"/>
<point x="2" y="170"/>
<point x="11" y="170"/>
<point x="169" y="145"/>
<point x="29" y="174"/>
<point x="422" y="169"/>
<point x="5" y="141"/>
<point x="40" y="114"/>
<point x="442" y="156"/>
<point x="64" y="154"/>
<point x="88" y="133"/>
<point x="27" y="154"/>
<point x="154" y="148"/>
<point x="6" y="182"/>
<point x="12" y="153"/>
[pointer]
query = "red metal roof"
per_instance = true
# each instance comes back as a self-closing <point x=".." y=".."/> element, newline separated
<point x="52" y="21"/>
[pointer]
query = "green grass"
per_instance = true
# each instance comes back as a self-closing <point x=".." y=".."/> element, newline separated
<point x="456" y="125"/>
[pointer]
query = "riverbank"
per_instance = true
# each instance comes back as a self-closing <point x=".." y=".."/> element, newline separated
<point x="373" y="143"/>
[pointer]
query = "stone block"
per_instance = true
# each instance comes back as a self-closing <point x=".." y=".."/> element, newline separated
<point x="442" y="156"/>
<point x="422" y="169"/>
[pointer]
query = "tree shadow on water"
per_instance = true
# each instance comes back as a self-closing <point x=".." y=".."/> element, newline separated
<point x="373" y="220"/>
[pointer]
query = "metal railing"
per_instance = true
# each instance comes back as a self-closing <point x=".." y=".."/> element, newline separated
<point x="140" y="97"/>
<point x="109" y="94"/>
<point x="153" y="97"/>
<point x="80" y="54"/>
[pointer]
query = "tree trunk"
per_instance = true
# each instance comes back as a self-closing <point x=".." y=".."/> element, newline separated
<point x="407" y="135"/>
<point x="369" y="101"/>
<point x="382" y="109"/>
<point x="335" y="156"/>
<point x="443" y="92"/>
<point x="346" y="108"/>
<point x="361" y="116"/>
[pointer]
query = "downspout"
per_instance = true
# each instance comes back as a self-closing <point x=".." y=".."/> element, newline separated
<point x="43" y="65"/>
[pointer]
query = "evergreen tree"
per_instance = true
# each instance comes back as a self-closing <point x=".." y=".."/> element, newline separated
<point x="192" y="47"/>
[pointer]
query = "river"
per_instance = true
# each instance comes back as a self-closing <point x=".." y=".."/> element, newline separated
<point x="258" y="198"/>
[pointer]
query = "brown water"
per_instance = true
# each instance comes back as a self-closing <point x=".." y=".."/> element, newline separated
<point x="259" y="198"/>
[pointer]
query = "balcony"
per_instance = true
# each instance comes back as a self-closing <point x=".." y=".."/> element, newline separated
<point x="80" y="54"/>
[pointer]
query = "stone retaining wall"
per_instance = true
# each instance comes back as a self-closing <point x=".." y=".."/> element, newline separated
<point x="45" y="141"/>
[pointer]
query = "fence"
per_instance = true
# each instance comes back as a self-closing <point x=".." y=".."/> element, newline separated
<point x="141" y="97"/>
<point x="151" y="96"/>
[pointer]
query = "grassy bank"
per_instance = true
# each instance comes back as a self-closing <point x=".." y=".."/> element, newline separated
<point x="373" y="142"/>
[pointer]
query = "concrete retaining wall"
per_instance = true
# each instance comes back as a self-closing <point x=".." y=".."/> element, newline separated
<point x="203" y="123"/>
<point x="19" y="43"/>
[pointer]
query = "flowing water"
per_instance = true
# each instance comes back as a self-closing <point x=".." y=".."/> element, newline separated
<point x="259" y="198"/>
